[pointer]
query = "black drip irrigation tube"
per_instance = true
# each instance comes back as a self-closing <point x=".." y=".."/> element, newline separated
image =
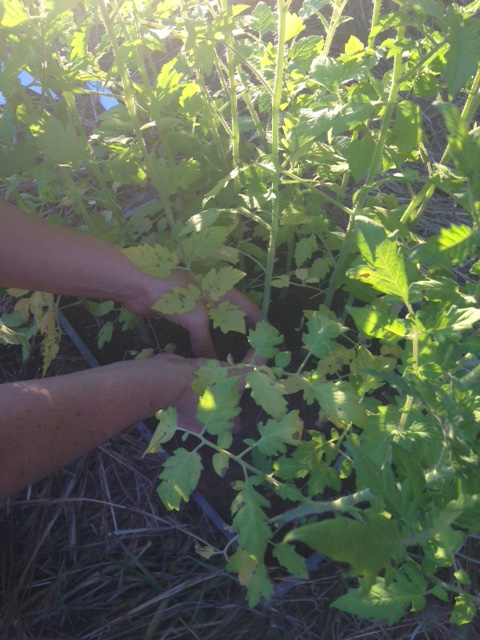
<point x="312" y="562"/>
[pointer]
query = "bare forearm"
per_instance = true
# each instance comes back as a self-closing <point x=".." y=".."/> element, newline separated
<point x="39" y="256"/>
<point x="47" y="423"/>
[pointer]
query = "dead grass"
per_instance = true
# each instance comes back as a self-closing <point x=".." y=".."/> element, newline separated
<point x="89" y="553"/>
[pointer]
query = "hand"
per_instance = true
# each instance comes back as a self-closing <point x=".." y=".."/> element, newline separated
<point x="179" y="392"/>
<point x="196" y="322"/>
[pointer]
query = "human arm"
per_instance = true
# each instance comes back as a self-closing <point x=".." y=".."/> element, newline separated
<point x="47" y="423"/>
<point x="39" y="256"/>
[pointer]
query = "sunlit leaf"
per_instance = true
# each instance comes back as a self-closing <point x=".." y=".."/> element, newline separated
<point x="267" y="392"/>
<point x="166" y="428"/>
<point x="217" y="282"/>
<point x="463" y="54"/>
<point x="276" y="434"/>
<point x="153" y="260"/>
<point x="179" y="478"/>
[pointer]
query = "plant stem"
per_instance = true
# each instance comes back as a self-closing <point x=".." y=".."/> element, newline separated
<point x="312" y="507"/>
<point x="232" y="89"/>
<point x="418" y="204"/>
<point x="276" y="104"/>
<point x="375" y="167"/>
<point x="151" y="165"/>
<point x="377" y="5"/>
<point x="333" y="26"/>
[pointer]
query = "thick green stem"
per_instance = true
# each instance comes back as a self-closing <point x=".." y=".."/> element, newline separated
<point x="377" y="5"/>
<point x="276" y="104"/>
<point x="232" y="90"/>
<point x="333" y="26"/>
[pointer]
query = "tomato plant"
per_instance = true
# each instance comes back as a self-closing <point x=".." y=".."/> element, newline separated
<point x="285" y="153"/>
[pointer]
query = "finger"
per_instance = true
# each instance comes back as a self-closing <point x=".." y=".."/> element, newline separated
<point x="201" y="341"/>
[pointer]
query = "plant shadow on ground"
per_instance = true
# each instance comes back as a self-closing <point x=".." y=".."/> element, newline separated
<point x="90" y="552"/>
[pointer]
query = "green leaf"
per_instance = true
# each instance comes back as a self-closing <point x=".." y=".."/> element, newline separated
<point x="264" y="20"/>
<point x="433" y="8"/>
<point x="178" y="301"/>
<point x="60" y="144"/>
<point x="463" y="54"/>
<point x="12" y="13"/>
<point x="384" y="602"/>
<point x="291" y="560"/>
<point x="369" y="547"/>
<point x="463" y="611"/>
<point x="227" y="317"/>
<point x="387" y="275"/>
<point x="407" y="131"/>
<point x="265" y="339"/>
<point x="378" y="321"/>
<point x="204" y="244"/>
<point x="462" y="576"/>
<point x="218" y="406"/>
<point x="339" y="405"/>
<point x="250" y="520"/>
<point x="105" y="334"/>
<point x="252" y="575"/>
<point x="153" y="260"/>
<point x="208" y="375"/>
<point x="267" y="392"/>
<point x="276" y="434"/>
<point x="179" y="478"/>
<point x="166" y="428"/>
<point x="457" y="320"/>
<point x="217" y="282"/>
<point x="220" y="462"/>
<point x="321" y="331"/>
<point x="359" y="156"/>
<point x="452" y="246"/>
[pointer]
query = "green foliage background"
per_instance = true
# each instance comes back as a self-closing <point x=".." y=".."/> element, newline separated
<point x="275" y="144"/>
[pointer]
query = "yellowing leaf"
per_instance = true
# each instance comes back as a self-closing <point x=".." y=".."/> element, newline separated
<point x="265" y="339"/>
<point x="227" y="317"/>
<point x="217" y="282"/>
<point x="155" y="261"/>
<point x="267" y="392"/>
<point x="220" y="463"/>
<point x="44" y="310"/>
<point x="204" y="552"/>
<point x="276" y="434"/>
<point x="178" y="302"/>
